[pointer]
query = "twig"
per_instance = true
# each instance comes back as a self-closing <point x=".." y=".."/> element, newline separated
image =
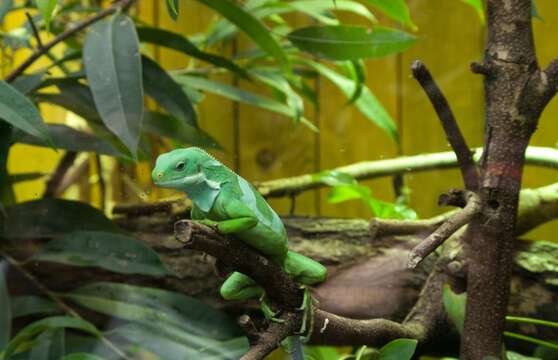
<point x="387" y="227"/>
<point x="123" y="4"/>
<point x="539" y="156"/>
<point x="271" y="338"/>
<point x="455" y="137"/>
<point x="101" y="182"/>
<point x="450" y="226"/>
<point x="55" y="298"/>
<point x="35" y="30"/>
<point x="55" y="180"/>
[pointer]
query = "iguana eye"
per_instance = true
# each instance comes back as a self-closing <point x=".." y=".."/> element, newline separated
<point x="180" y="166"/>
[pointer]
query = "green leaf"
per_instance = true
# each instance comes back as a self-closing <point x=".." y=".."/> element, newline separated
<point x="545" y="353"/>
<point x="166" y="92"/>
<point x="55" y="322"/>
<point x="46" y="8"/>
<point x="527" y="320"/>
<point x="532" y="340"/>
<point x="237" y="94"/>
<point x="346" y="42"/>
<point x="455" y="307"/>
<point x="398" y="349"/>
<point x="49" y="345"/>
<point x="167" y="126"/>
<point x="318" y="9"/>
<point x="343" y="193"/>
<point x="114" y="252"/>
<point x="179" y="43"/>
<point x="395" y="9"/>
<point x="5" y="308"/>
<point x="169" y="341"/>
<point x="26" y="84"/>
<point x="26" y="305"/>
<point x="479" y="8"/>
<point x="67" y="138"/>
<point x="321" y="353"/>
<point x="277" y="81"/>
<point x="358" y="74"/>
<point x="511" y="355"/>
<point x="250" y="25"/>
<point x="155" y="306"/>
<point x="334" y="178"/>
<point x="82" y="356"/>
<point x="173" y="8"/>
<point x="51" y="217"/>
<point x="17" y="110"/>
<point x="5" y="7"/>
<point x="367" y="103"/>
<point x="113" y="67"/>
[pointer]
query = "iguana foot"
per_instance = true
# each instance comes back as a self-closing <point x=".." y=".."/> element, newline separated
<point x="307" y="307"/>
<point x="268" y="312"/>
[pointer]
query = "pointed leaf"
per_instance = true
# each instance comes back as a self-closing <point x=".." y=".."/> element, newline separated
<point x="479" y="8"/>
<point x="180" y="43"/>
<point x="55" y="322"/>
<point x="113" y="67"/>
<point x="155" y="306"/>
<point x="26" y="305"/>
<point x="46" y="8"/>
<point x="344" y="42"/>
<point x="236" y="94"/>
<point x="114" y="252"/>
<point x="173" y="8"/>
<point x="17" y="110"/>
<point x="250" y="25"/>
<point x="314" y="7"/>
<point x="50" y="217"/>
<point x="169" y="341"/>
<point x="395" y="9"/>
<point x="49" y="345"/>
<point x="366" y="103"/>
<point x="399" y="349"/>
<point x="25" y="84"/>
<point x="82" y="356"/>
<point x="163" y="89"/>
<point x="67" y="138"/>
<point x="5" y="308"/>
<point x="172" y="128"/>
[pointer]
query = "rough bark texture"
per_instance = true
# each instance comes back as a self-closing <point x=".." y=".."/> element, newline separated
<point x="367" y="279"/>
<point x="512" y="112"/>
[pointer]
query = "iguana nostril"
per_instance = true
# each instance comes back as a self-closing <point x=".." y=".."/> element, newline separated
<point x="159" y="175"/>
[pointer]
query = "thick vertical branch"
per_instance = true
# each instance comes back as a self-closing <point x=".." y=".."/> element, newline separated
<point x="511" y="117"/>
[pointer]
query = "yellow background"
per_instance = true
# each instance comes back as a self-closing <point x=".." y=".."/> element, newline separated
<point x="262" y="145"/>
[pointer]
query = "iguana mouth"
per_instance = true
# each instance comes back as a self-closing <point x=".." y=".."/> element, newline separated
<point x="185" y="180"/>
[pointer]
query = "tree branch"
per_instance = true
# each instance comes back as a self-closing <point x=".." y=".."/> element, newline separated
<point x="539" y="156"/>
<point x="123" y="4"/>
<point x="453" y="134"/>
<point x="286" y="294"/>
<point x="551" y="78"/>
<point x="448" y="228"/>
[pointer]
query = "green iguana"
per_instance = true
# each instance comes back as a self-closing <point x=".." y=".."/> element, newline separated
<point x="224" y="200"/>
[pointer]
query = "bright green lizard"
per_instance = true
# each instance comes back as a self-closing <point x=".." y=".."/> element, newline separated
<point x="224" y="200"/>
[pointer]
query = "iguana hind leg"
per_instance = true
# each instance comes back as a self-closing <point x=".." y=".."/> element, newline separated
<point x="240" y="287"/>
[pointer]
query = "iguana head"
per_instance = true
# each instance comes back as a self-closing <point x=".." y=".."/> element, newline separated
<point x="182" y="168"/>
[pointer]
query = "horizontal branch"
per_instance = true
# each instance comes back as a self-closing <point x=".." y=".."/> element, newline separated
<point x="284" y="292"/>
<point x="538" y="156"/>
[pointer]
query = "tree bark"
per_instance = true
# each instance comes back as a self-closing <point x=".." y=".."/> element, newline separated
<point x="511" y="117"/>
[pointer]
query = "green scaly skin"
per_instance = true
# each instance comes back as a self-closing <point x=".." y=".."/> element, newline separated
<point x="224" y="200"/>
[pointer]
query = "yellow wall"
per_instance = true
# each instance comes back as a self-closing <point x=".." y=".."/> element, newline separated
<point x="267" y="146"/>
